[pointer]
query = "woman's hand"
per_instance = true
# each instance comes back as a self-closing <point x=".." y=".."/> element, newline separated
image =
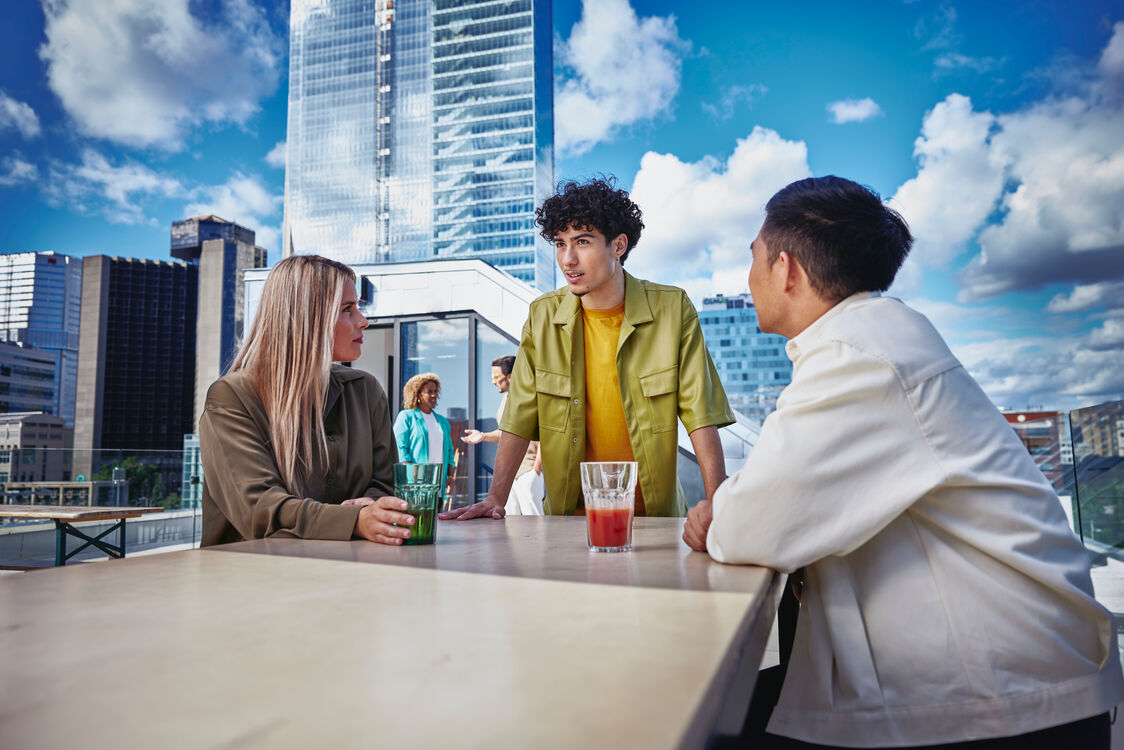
<point x="377" y="518"/>
<point x="472" y="436"/>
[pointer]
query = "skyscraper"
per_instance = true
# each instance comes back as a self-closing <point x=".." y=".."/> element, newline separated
<point x="753" y="365"/>
<point x="136" y="363"/>
<point x="222" y="250"/>
<point x="420" y="129"/>
<point x="40" y="308"/>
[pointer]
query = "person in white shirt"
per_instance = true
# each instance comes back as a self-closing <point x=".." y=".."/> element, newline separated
<point x="945" y="600"/>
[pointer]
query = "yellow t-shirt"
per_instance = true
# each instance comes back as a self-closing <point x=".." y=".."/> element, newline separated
<point x="606" y="432"/>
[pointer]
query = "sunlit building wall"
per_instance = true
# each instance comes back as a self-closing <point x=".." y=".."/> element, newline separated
<point x="752" y="365"/>
<point x="420" y="129"/>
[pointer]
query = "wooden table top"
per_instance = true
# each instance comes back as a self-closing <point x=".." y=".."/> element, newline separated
<point x="479" y="641"/>
<point x="75" y="512"/>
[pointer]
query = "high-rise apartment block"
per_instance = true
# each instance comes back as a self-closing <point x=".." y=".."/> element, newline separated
<point x="420" y="129"/>
<point x="136" y="358"/>
<point x="753" y="365"/>
<point x="222" y="251"/>
<point x="28" y="380"/>
<point x="40" y="308"/>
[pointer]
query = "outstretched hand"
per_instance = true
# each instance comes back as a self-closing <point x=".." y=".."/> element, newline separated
<point x="472" y="436"/>
<point x="486" y="508"/>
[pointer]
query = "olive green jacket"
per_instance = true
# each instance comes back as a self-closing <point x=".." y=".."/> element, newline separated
<point x="243" y="494"/>
<point x="665" y="373"/>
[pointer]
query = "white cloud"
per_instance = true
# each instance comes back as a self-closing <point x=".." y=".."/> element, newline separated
<point x="937" y="31"/>
<point x="276" y="156"/>
<point x="615" y="70"/>
<point x="143" y="72"/>
<point x="732" y="97"/>
<point x="1088" y="296"/>
<point x="243" y="199"/>
<point x="950" y="61"/>
<point x="1111" y="64"/>
<point x="120" y="192"/>
<point x="1109" y="336"/>
<point x="958" y="181"/>
<point x="853" y="110"/>
<point x="18" y="115"/>
<point x="14" y="170"/>
<point x="700" y="217"/>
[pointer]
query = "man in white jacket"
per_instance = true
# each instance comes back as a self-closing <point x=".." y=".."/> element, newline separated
<point x="945" y="599"/>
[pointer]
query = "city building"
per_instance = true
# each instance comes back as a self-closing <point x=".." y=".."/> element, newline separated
<point x="1047" y="438"/>
<point x="752" y="365"/>
<point x="421" y="130"/>
<point x="191" y="492"/>
<point x="40" y="305"/>
<point x="28" y="379"/>
<point x="32" y="448"/>
<point x="136" y="363"/>
<point x="222" y="251"/>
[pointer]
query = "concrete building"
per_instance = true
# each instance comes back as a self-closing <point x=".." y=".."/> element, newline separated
<point x="421" y="130"/>
<point x="32" y="448"/>
<point x="222" y="251"/>
<point x="136" y="361"/>
<point x="40" y="307"/>
<point x="28" y="379"/>
<point x="753" y="365"/>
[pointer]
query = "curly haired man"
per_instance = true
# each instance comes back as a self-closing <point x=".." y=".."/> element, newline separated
<point x="606" y="366"/>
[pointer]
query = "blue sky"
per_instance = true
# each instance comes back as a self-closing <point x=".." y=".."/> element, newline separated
<point x="997" y="129"/>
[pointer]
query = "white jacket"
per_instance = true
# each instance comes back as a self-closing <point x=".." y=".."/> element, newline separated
<point x="945" y="598"/>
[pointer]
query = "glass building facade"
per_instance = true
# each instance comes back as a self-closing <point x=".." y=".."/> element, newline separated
<point x="40" y="308"/>
<point x="421" y="129"/>
<point x="753" y="365"/>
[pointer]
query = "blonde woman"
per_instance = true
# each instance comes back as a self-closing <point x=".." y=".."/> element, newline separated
<point x="423" y="435"/>
<point x="293" y="445"/>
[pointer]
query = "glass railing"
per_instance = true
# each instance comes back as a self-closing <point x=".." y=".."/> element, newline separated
<point x="1098" y="476"/>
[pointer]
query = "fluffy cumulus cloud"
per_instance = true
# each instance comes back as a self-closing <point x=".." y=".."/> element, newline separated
<point x="18" y="115"/>
<point x="276" y="156"/>
<point x="853" y="110"/>
<point x="15" y="171"/>
<point x="243" y="199"/>
<point x="615" y="70"/>
<point x="958" y="180"/>
<point x="1088" y="296"/>
<point x="701" y="216"/>
<point x="121" y="192"/>
<point x="143" y="72"/>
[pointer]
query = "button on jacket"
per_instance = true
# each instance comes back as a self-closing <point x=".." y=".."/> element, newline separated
<point x="243" y="494"/>
<point x="945" y="597"/>
<point x="665" y="373"/>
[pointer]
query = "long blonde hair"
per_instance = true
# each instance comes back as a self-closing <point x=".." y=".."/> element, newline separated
<point x="287" y="357"/>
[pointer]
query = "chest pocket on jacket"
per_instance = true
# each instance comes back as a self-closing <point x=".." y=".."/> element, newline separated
<point x="661" y="391"/>
<point x="553" y="400"/>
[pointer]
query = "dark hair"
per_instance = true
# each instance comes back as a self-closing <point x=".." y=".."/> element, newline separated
<point x="845" y="238"/>
<point x="596" y="204"/>
<point x="505" y="363"/>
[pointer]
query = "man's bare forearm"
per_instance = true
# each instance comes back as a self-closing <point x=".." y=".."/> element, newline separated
<point x="509" y="454"/>
<point x="712" y="464"/>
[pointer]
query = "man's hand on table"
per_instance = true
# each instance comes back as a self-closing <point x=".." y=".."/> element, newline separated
<point x="489" y="507"/>
<point x="698" y="523"/>
<point x="377" y="518"/>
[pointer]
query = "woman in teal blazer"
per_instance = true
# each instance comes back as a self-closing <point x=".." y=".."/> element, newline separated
<point x="412" y="427"/>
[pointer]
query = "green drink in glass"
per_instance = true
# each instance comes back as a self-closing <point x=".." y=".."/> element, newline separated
<point x="420" y="486"/>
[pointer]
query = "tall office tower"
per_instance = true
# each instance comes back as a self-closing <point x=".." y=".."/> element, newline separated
<point x="421" y="129"/>
<point x="222" y="250"/>
<point x="40" y="307"/>
<point x="136" y="358"/>
<point x="28" y="380"/>
<point x="752" y="365"/>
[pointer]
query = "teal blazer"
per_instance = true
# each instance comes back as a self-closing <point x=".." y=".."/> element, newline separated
<point x="413" y="438"/>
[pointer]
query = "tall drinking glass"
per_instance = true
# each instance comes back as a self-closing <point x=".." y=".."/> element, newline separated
<point x="609" y="488"/>
<point x="420" y="486"/>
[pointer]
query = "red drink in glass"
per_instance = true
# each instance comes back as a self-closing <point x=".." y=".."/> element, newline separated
<point x="609" y="528"/>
